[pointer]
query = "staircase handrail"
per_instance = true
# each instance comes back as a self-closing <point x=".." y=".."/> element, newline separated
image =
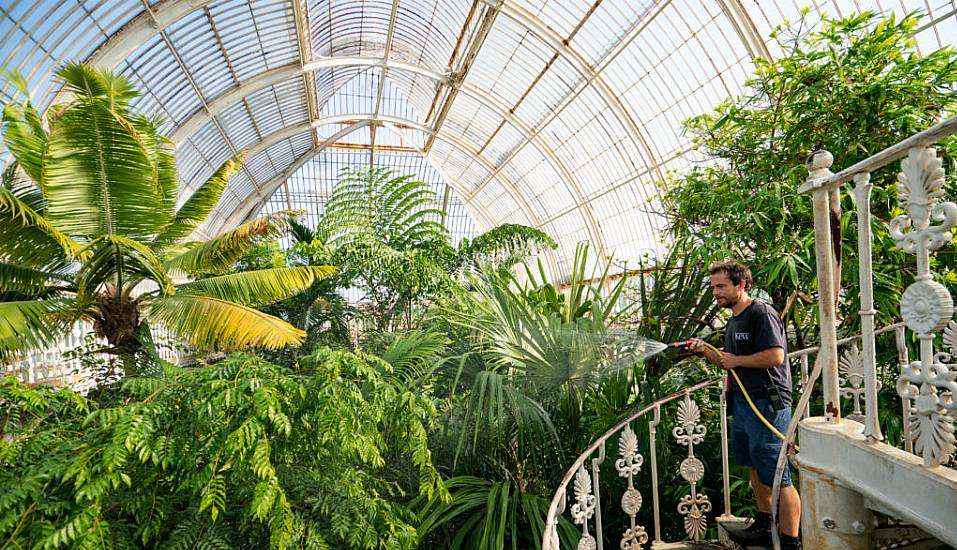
<point x="550" y="534"/>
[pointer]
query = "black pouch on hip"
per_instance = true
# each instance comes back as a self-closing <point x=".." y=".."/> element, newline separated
<point x="774" y="398"/>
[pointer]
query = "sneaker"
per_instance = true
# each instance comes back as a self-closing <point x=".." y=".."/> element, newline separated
<point x="790" y="543"/>
<point x="756" y="534"/>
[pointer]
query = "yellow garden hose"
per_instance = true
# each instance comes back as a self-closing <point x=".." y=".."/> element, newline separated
<point x="744" y="392"/>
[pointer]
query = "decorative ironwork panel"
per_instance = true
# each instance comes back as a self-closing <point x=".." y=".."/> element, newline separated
<point x="852" y="371"/>
<point x="927" y="306"/>
<point x="584" y="508"/>
<point x="628" y="466"/>
<point x="690" y="432"/>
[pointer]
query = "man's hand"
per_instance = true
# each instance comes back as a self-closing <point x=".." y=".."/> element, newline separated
<point x="721" y="359"/>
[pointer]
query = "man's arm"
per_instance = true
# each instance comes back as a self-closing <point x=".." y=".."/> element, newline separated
<point x="763" y="359"/>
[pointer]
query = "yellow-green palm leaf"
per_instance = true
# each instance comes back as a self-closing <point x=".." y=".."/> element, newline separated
<point x="30" y="324"/>
<point x="215" y="324"/>
<point x="100" y="173"/>
<point x="29" y="238"/>
<point x="112" y="256"/>
<point x="218" y="254"/>
<point x="258" y="288"/>
<point x="199" y="204"/>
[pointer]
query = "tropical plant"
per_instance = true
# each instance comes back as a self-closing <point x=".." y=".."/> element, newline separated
<point x="500" y="249"/>
<point x="852" y="86"/>
<point x="321" y="311"/>
<point x="241" y="454"/>
<point x="90" y="229"/>
<point x="382" y="230"/>
<point x="518" y="412"/>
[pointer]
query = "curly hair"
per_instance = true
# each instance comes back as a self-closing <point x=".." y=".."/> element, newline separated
<point x="735" y="271"/>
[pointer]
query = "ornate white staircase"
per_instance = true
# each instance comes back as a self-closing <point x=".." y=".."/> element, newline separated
<point x="858" y="493"/>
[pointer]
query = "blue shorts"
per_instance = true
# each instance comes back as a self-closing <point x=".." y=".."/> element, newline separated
<point x="753" y="444"/>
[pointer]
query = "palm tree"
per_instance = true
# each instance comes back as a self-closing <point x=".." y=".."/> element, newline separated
<point x="90" y="230"/>
<point x="523" y="408"/>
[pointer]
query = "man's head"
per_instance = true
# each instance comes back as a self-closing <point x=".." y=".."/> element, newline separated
<point x="730" y="282"/>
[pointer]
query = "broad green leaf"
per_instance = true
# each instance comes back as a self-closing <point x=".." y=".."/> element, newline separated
<point x="220" y="253"/>
<point x="215" y="324"/>
<point x="198" y="206"/>
<point x="257" y="288"/>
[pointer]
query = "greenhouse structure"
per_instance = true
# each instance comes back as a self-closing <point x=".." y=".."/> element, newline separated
<point x="478" y="274"/>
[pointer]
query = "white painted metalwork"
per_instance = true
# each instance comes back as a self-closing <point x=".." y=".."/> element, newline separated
<point x="61" y="366"/>
<point x="584" y="508"/>
<point x="689" y="432"/>
<point x="866" y="375"/>
<point x="628" y="466"/>
<point x="926" y="304"/>
<point x="926" y="385"/>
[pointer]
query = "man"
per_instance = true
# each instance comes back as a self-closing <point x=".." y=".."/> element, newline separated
<point x="756" y="347"/>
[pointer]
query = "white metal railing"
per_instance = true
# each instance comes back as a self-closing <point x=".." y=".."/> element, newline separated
<point x="694" y="506"/>
<point x="926" y="385"/>
<point x="58" y="367"/>
<point x="586" y="489"/>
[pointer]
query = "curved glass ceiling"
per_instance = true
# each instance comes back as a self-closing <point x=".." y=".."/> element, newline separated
<point x="558" y="114"/>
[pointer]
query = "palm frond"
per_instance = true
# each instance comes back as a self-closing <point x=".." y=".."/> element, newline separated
<point x="496" y="410"/>
<point x="260" y="287"/>
<point x="100" y="175"/>
<point x="33" y="324"/>
<point x="301" y="232"/>
<point x="89" y="83"/>
<point x="161" y="151"/>
<point x="27" y="237"/>
<point x="220" y="253"/>
<point x="214" y="324"/>
<point x="198" y="206"/>
<point x="505" y="246"/>
<point x="26" y="138"/>
<point x="113" y="256"/>
<point x="415" y="354"/>
<point x="15" y="278"/>
<point x="380" y="204"/>
<point x="491" y="515"/>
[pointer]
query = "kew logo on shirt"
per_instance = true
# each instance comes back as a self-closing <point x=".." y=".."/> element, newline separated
<point x="739" y="336"/>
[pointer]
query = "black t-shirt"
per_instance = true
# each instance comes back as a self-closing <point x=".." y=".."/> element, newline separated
<point x="756" y="329"/>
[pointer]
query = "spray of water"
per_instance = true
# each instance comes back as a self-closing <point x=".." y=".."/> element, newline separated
<point x="623" y="349"/>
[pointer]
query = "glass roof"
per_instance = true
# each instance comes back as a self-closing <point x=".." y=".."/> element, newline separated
<point x="559" y="114"/>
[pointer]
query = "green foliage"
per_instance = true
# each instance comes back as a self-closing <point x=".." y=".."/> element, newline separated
<point x="382" y="231"/>
<point x="851" y="86"/>
<point x="89" y="218"/>
<point x="501" y="248"/>
<point x="242" y="454"/>
<point x="536" y="355"/>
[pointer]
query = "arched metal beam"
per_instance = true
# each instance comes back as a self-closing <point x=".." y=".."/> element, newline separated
<point x="592" y="75"/>
<point x="142" y="28"/>
<point x="538" y="139"/>
<point x="746" y="29"/>
<point x="253" y="203"/>
<point x="536" y="26"/>
<point x="291" y="131"/>
<point x="280" y="74"/>
<point x="156" y="18"/>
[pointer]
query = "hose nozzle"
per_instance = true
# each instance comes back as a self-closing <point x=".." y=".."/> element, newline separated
<point x="681" y="344"/>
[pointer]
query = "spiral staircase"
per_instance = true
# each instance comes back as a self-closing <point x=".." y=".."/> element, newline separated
<point x="858" y="492"/>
